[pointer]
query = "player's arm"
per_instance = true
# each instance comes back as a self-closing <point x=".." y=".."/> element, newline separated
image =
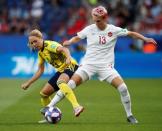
<point x="34" y="78"/>
<point x="73" y="40"/>
<point x="139" y="36"/>
<point x="65" y="51"/>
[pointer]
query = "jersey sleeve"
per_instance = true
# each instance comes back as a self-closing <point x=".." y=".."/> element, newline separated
<point x="53" y="46"/>
<point x="40" y="59"/>
<point x="120" y="31"/>
<point x="83" y="33"/>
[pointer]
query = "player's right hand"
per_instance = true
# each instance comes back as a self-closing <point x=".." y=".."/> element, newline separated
<point x="68" y="61"/>
<point x="25" y="85"/>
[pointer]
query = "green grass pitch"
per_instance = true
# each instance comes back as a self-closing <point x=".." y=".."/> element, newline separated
<point x="19" y="109"/>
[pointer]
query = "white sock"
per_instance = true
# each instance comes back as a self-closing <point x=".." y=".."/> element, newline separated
<point x="125" y="98"/>
<point x="59" y="95"/>
<point x="72" y="84"/>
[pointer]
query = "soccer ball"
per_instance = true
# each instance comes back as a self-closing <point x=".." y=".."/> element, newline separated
<point x="53" y="115"/>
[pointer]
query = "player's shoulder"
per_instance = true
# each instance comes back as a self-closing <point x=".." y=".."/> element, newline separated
<point x="114" y="28"/>
<point x="51" y="44"/>
<point x="92" y="26"/>
<point x="110" y="26"/>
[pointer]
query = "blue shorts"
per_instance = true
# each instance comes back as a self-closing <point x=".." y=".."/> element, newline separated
<point x="53" y="80"/>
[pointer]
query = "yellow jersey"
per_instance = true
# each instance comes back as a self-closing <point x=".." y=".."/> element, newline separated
<point x="51" y="56"/>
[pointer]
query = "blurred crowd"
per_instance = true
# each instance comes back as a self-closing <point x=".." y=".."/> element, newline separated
<point x="60" y="19"/>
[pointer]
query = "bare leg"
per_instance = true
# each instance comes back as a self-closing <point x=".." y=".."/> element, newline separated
<point x="45" y="94"/>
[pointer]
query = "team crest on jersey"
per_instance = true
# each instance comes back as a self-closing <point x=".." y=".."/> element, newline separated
<point x="110" y="34"/>
<point x="53" y="46"/>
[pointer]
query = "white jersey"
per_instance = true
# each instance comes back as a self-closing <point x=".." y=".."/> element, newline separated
<point x="100" y="44"/>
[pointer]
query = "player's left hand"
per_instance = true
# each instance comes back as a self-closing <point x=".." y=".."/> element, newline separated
<point x="68" y="61"/>
<point x="150" y="40"/>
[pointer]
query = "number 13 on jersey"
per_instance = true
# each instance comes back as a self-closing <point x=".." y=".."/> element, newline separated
<point x="102" y="40"/>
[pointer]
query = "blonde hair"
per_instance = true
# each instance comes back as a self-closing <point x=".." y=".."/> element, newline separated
<point x="36" y="33"/>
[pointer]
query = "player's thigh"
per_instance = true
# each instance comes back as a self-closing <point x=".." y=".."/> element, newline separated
<point x="106" y="73"/>
<point x="67" y="74"/>
<point x="83" y="73"/>
<point x="77" y="79"/>
<point x="113" y="77"/>
<point x="63" y="77"/>
<point x="47" y="89"/>
<point x="52" y="84"/>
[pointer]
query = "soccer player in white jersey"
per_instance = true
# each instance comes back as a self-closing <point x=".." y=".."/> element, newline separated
<point x="99" y="58"/>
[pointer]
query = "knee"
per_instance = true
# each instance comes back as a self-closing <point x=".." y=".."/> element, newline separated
<point x="43" y="95"/>
<point x="60" y="82"/>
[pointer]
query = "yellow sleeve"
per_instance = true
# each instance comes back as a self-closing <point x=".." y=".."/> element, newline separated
<point x="40" y="59"/>
<point x="53" y="46"/>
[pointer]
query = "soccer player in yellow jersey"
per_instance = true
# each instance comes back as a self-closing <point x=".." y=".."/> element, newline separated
<point x="59" y="57"/>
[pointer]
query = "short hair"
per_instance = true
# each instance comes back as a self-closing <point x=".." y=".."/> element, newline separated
<point x="36" y="33"/>
<point x="99" y="11"/>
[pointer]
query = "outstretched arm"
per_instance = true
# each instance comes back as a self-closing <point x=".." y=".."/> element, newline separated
<point x="66" y="52"/>
<point x="73" y="40"/>
<point x="34" y="78"/>
<point x="139" y="36"/>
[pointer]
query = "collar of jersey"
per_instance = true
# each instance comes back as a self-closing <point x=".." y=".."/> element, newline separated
<point x="43" y="46"/>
